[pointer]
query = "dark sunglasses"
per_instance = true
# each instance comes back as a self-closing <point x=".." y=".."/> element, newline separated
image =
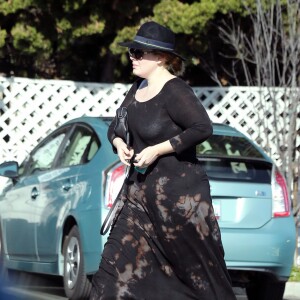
<point x="137" y="53"/>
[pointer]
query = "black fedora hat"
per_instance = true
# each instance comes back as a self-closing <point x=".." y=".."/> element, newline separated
<point x="153" y="36"/>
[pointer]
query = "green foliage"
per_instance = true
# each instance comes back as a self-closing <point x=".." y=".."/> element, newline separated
<point x="183" y="17"/>
<point x="72" y="5"/>
<point x="241" y="7"/>
<point x="295" y="274"/>
<point x="11" y="6"/>
<point x="125" y="34"/>
<point x="196" y="17"/>
<point x="63" y="25"/>
<point x="192" y="21"/>
<point x="94" y="26"/>
<point x="28" y="40"/>
<point x="78" y="39"/>
<point x="3" y="35"/>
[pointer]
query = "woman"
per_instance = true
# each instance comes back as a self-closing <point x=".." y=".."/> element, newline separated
<point x="165" y="243"/>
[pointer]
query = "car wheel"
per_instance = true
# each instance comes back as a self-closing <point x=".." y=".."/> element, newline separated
<point x="266" y="290"/>
<point x="77" y="285"/>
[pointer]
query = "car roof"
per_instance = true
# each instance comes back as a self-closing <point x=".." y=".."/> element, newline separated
<point x="219" y="128"/>
<point x="90" y="120"/>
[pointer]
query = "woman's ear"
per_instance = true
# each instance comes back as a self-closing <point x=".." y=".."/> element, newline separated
<point x="161" y="59"/>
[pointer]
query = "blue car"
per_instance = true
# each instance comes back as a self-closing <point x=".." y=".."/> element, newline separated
<point x="53" y="204"/>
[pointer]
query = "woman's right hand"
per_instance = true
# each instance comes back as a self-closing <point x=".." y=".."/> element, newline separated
<point x="124" y="153"/>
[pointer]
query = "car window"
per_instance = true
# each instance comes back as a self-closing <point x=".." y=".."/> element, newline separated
<point x="43" y="156"/>
<point x="23" y="165"/>
<point x="222" y="145"/>
<point x="233" y="158"/>
<point x="80" y="147"/>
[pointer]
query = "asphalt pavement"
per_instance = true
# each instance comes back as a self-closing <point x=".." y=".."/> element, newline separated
<point x="292" y="292"/>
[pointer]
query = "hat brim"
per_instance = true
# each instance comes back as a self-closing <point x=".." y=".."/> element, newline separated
<point x="136" y="45"/>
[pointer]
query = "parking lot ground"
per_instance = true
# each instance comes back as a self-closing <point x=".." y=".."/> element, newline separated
<point x="292" y="291"/>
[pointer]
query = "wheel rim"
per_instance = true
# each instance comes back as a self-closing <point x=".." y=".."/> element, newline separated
<point x="72" y="262"/>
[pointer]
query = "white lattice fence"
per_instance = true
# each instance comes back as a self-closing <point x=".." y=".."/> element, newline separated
<point x="249" y="109"/>
<point x="30" y="109"/>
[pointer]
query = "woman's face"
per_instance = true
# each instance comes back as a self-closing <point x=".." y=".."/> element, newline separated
<point x="145" y="65"/>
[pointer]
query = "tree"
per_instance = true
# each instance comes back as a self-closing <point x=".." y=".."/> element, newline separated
<point x="67" y="39"/>
<point x="192" y="22"/>
<point x="77" y="39"/>
<point x="268" y="55"/>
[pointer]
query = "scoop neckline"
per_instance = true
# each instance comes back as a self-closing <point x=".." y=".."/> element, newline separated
<point x="157" y="93"/>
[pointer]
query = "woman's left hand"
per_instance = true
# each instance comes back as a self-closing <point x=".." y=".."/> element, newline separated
<point x="146" y="157"/>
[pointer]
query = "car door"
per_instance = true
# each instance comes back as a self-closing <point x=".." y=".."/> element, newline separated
<point x="19" y="215"/>
<point x="63" y="189"/>
<point x="18" y="221"/>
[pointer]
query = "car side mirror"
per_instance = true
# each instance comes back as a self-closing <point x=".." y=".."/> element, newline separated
<point x="9" y="169"/>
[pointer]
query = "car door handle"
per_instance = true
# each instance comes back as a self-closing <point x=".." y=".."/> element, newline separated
<point x="67" y="186"/>
<point x="34" y="193"/>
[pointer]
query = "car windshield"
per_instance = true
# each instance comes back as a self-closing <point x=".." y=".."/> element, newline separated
<point x="233" y="158"/>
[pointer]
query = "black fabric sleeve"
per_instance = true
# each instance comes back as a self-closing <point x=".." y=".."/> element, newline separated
<point x="187" y="112"/>
<point x="128" y="99"/>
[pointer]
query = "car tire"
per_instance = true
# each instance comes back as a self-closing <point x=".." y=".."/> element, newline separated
<point x="77" y="284"/>
<point x="266" y="290"/>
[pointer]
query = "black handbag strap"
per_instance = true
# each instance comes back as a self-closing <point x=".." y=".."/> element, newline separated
<point x="110" y="216"/>
<point x="131" y="93"/>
